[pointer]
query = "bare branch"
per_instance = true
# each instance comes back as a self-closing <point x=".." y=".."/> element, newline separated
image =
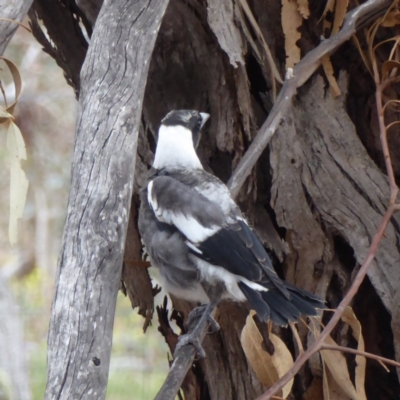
<point x="392" y="208"/>
<point x="12" y="13"/>
<point x="302" y="71"/>
<point x="361" y="353"/>
<point x="184" y="358"/>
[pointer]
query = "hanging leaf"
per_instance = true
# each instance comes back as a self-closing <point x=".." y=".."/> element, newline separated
<point x="268" y="368"/>
<point x="314" y="391"/>
<point x="303" y="8"/>
<point x="330" y="4"/>
<point x="392" y="19"/>
<point x="388" y="66"/>
<point x="331" y="388"/>
<point x="328" y="69"/>
<point x="291" y="22"/>
<point x="361" y="362"/>
<point x="340" y="12"/>
<point x="4" y="113"/>
<point x="17" y="84"/>
<point x="17" y="153"/>
<point x="337" y="365"/>
<point x="18" y="180"/>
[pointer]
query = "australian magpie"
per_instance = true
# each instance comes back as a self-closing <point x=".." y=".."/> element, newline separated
<point x="196" y="235"/>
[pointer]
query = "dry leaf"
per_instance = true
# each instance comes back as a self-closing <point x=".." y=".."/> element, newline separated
<point x="336" y="363"/>
<point x="361" y="362"/>
<point x="303" y="8"/>
<point x="18" y="180"/>
<point x="4" y="113"/>
<point x="331" y="389"/>
<point x="328" y="68"/>
<point x="392" y="19"/>
<point x="340" y="12"/>
<point x="291" y="21"/>
<point x="314" y="391"/>
<point x="388" y="66"/>
<point x="330" y="4"/>
<point x="17" y="84"/>
<point x="17" y="153"/>
<point x="267" y="368"/>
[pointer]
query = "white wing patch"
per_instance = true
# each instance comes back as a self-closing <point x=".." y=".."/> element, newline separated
<point x="188" y="225"/>
<point x="212" y="273"/>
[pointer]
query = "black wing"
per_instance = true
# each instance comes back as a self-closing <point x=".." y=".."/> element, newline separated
<point x="222" y="240"/>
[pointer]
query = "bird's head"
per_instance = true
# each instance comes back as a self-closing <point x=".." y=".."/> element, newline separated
<point x="189" y="119"/>
<point x="178" y="136"/>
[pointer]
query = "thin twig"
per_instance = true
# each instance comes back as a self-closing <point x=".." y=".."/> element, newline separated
<point x="302" y="71"/>
<point x="183" y="360"/>
<point x="316" y="346"/>
<point x="392" y="208"/>
<point x="361" y="353"/>
<point x="16" y="22"/>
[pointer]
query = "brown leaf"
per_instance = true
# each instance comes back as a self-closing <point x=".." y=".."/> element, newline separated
<point x="267" y="368"/>
<point x="291" y="21"/>
<point x="392" y="19"/>
<point x="330" y="4"/>
<point x="314" y="391"/>
<point x="328" y="68"/>
<point x="361" y="363"/>
<point x="17" y="84"/>
<point x="303" y="8"/>
<point x="331" y="388"/>
<point x="335" y="362"/>
<point x="388" y="66"/>
<point x="340" y="12"/>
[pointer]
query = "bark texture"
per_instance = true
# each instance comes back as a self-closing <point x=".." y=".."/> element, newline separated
<point x="12" y="11"/>
<point x="315" y="196"/>
<point x="113" y="79"/>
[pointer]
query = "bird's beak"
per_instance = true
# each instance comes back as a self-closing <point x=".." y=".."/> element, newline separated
<point x="204" y="118"/>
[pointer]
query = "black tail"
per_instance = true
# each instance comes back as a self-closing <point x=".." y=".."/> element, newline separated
<point x="275" y="305"/>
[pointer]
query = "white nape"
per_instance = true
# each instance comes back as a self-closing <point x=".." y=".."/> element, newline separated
<point x="175" y="149"/>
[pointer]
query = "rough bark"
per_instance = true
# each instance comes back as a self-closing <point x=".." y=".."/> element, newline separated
<point x="112" y="86"/>
<point x="314" y="197"/>
<point x="13" y="11"/>
<point x="67" y="44"/>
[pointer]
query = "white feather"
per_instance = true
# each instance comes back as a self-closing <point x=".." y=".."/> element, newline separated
<point x="212" y="273"/>
<point x="188" y="225"/>
<point x="193" y="247"/>
<point x="195" y="293"/>
<point x="175" y="149"/>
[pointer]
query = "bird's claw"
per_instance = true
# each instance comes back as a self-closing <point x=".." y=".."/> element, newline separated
<point x="196" y="313"/>
<point x="190" y="338"/>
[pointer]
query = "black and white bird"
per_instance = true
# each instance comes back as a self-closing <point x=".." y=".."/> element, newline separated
<point x="196" y="235"/>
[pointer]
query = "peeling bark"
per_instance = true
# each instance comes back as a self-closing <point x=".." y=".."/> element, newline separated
<point x="315" y="198"/>
<point x="112" y="86"/>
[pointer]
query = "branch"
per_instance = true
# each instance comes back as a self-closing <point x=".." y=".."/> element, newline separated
<point x="392" y="208"/>
<point x="302" y="71"/>
<point x="183" y="360"/>
<point x="317" y="345"/>
<point x="361" y="353"/>
<point x="113" y="81"/>
<point x="12" y="13"/>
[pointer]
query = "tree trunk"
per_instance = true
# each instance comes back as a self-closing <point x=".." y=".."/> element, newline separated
<point x="112" y="85"/>
<point x="315" y="198"/>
